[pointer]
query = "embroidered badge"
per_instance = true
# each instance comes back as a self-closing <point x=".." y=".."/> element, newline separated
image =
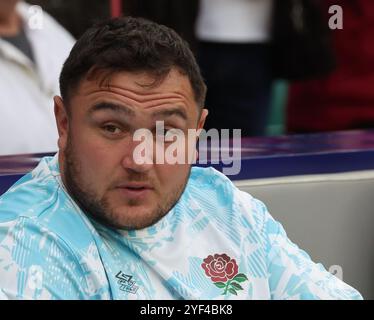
<point x="223" y="271"/>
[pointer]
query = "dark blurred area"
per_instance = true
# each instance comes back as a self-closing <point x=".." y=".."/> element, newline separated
<point x="327" y="75"/>
<point x="344" y="98"/>
<point x="78" y="15"/>
<point x="178" y="14"/>
<point x="75" y="16"/>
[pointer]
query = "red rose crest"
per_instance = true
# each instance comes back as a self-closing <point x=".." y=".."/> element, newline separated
<point x="223" y="271"/>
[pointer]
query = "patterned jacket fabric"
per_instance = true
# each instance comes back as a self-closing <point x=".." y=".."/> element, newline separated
<point x="217" y="242"/>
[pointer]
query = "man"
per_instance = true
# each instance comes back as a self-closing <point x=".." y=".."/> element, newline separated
<point x="93" y="222"/>
<point x="33" y="48"/>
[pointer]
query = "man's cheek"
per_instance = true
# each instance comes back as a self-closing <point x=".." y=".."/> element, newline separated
<point x="174" y="175"/>
<point x="91" y="176"/>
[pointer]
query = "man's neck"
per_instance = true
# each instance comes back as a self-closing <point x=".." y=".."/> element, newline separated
<point x="10" y="23"/>
<point x="61" y="166"/>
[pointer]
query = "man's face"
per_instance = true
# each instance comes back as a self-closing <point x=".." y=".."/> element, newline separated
<point x="96" y="146"/>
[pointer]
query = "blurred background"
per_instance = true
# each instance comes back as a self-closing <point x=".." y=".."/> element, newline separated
<point x="275" y="64"/>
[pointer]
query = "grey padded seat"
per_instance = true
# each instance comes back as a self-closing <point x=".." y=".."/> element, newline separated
<point x="331" y="216"/>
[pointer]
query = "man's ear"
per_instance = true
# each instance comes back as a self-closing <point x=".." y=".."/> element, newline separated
<point x="204" y="114"/>
<point x="62" y="122"/>
<point x="200" y="126"/>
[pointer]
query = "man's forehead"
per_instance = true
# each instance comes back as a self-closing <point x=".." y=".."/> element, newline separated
<point x="142" y="83"/>
<point x="129" y="112"/>
<point x="140" y="88"/>
<point x="135" y="92"/>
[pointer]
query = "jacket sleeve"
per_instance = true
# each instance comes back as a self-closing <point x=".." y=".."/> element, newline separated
<point x="36" y="264"/>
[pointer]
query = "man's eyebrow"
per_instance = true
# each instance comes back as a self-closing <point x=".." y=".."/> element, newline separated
<point x="171" y="112"/>
<point x="119" y="108"/>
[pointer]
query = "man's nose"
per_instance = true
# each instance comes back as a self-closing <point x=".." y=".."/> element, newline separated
<point x="138" y="156"/>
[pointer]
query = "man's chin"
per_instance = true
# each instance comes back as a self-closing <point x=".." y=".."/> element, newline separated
<point x="135" y="217"/>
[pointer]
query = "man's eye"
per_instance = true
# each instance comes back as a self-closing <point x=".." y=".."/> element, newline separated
<point x="112" y="129"/>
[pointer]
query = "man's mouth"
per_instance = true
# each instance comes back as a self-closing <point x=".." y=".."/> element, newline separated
<point x="135" y="190"/>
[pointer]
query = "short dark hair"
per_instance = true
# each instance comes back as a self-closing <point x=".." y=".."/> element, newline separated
<point x="134" y="45"/>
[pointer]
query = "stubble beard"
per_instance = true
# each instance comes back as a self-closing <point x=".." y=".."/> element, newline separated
<point x="100" y="209"/>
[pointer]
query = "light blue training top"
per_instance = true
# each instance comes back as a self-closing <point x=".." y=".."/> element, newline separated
<point x="216" y="243"/>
